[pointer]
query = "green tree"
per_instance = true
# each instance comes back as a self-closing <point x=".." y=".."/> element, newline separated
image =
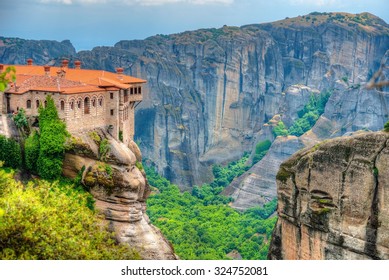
<point x="280" y="129"/>
<point x="386" y="127"/>
<point x="20" y="119"/>
<point x="44" y="221"/>
<point x="31" y="152"/>
<point x="53" y="135"/>
<point x="7" y="76"/>
<point x="10" y="152"/>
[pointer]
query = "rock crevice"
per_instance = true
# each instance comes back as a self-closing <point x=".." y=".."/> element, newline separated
<point x="333" y="201"/>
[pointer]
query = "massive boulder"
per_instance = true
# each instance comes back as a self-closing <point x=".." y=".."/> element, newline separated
<point x="332" y="200"/>
<point x="108" y="168"/>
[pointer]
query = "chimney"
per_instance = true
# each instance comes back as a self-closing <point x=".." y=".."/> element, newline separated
<point x="77" y="64"/>
<point x="119" y="71"/>
<point x="29" y="61"/>
<point x="1" y="67"/>
<point x="47" y="70"/>
<point x="65" y="63"/>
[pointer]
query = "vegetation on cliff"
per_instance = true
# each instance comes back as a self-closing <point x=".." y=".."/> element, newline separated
<point x="310" y="113"/>
<point x="51" y="220"/>
<point x="204" y="226"/>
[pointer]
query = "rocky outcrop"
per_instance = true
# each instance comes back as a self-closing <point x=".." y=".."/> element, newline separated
<point x="332" y="201"/>
<point x="119" y="188"/>
<point x="17" y="51"/>
<point x="210" y="92"/>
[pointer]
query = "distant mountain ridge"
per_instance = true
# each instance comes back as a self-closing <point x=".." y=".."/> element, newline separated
<point x="212" y="92"/>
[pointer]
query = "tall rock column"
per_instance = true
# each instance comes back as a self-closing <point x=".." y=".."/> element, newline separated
<point x="119" y="188"/>
<point x="333" y="201"/>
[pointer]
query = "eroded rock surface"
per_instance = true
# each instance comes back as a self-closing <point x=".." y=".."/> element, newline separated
<point x="120" y="190"/>
<point x="333" y="201"/>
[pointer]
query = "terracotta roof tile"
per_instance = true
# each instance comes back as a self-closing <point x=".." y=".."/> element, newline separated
<point x="33" y="77"/>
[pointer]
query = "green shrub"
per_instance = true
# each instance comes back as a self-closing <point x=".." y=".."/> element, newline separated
<point x="44" y="221"/>
<point x="53" y="135"/>
<point x="31" y="152"/>
<point x="310" y="113"/>
<point x="104" y="149"/>
<point x="280" y="130"/>
<point x="20" y="119"/>
<point x="386" y="127"/>
<point x="10" y="152"/>
<point x="260" y="150"/>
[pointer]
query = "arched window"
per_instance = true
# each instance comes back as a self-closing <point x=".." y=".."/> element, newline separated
<point x="71" y="103"/>
<point x="100" y="101"/>
<point x="94" y="102"/>
<point x="86" y="105"/>
<point x="79" y="104"/>
<point x="37" y="103"/>
<point x="28" y="105"/>
<point x="62" y="105"/>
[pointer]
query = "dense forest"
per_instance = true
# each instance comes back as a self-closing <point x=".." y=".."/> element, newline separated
<point x="201" y="225"/>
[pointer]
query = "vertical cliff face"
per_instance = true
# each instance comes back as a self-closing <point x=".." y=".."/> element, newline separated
<point x="119" y="188"/>
<point x="211" y="92"/>
<point x="17" y="51"/>
<point x="332" y="201"/>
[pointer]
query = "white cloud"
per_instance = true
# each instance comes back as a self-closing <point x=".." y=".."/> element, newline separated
<point x="139" y="2"/>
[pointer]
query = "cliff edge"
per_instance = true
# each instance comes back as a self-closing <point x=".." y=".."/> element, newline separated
<point x="333" y="201"/>
<point x="114" y="176"/>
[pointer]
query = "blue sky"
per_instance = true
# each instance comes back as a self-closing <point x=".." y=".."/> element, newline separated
<point x="90" y="23"/>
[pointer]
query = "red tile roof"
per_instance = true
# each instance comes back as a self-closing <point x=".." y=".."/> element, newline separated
<point x="32" y="77"/>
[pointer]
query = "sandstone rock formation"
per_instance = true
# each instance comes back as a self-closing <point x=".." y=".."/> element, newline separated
<point x="211" y="91"/>
<point x="17" y="51"/>
<point x="119" y="188"/>
<point x="333" y="201"/>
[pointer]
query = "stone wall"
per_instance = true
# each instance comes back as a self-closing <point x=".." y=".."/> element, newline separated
<point x="81" y="111"/>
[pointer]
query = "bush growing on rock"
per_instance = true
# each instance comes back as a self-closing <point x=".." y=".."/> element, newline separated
<point x="46" y="221"/>
<point x="386" y="127"/>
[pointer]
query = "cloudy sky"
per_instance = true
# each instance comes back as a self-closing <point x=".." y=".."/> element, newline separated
<point x="89" y="23"/>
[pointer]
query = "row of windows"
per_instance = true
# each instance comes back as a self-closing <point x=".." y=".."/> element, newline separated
<point x="134" y="90"/>
<point x="87" y="102"/>
<point x="37" y="103"/>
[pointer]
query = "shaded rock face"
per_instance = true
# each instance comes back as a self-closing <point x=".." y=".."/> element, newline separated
<point x="120" y="190"/>
<point x="332" y="201"/>
<point x="17" y="51"/>
<point x="210" y="91"/>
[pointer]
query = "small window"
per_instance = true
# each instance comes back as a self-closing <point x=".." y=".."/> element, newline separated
<point x="45" y="103"/>
<point x="132" y="91"/>
<point x="93" y="102"/>
<point x="71" y="105"/>
<point x="101" y="102"/>
<point x="136" y="90"/>
<point x="111" y="95"/>
<point x="28" y="104"/>
<point x="86" y="105"/>
<point x="139" y="90"/>
<point x="62" y="105"/>
<point x="37" y="104"/>
<point x="79" y="104"/>
<point x="111" y="112"/>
